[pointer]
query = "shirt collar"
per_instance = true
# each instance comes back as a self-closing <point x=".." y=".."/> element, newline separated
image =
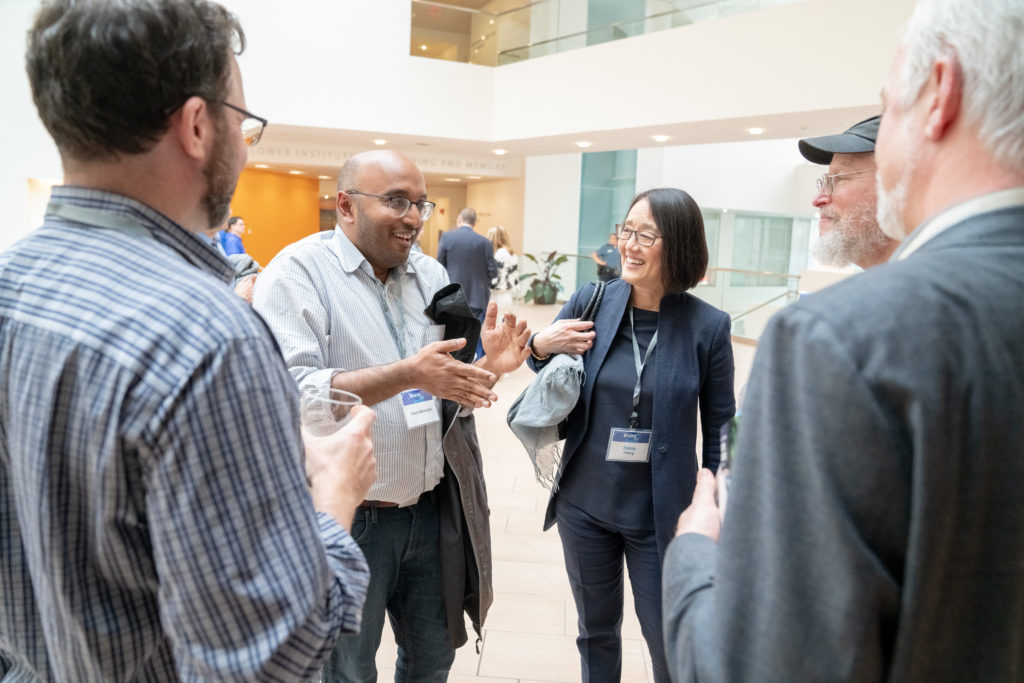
<point x="193" y="247"/>
<point x="352" y="259"/>
<point x="956" y="214"/>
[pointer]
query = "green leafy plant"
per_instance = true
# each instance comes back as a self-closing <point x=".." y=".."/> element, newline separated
<point x="545" y="285"/>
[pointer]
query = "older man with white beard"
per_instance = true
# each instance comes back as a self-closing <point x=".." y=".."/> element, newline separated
<point x="875" y="528"/>
<point x="848" y="230"/>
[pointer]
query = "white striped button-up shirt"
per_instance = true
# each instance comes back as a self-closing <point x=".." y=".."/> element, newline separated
<point x="330" y="314"/>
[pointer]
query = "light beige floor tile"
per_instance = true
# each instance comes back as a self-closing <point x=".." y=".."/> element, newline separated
<point x="530" y="578"/>
<point x="500" y="500"/>
<point x="541" y="657"/>
<point x="537" y="547"/>
<point x="528" y="522"/>
<point x="527" y="613"/>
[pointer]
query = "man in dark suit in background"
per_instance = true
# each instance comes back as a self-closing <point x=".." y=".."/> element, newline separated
<point x="469" y="259"/>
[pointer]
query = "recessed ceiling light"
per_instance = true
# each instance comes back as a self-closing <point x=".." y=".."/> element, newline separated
<point x="755" y="131"/>
<point x="423" y="47"/>
<point x="725" y="210"/>
<point x="380" y="142"/>
<point x="499" y="152"/>
<point x="261" y="165"/>
<point x="454" y="180"/>
<point x="491" y="22"/>
<point x="583" y="144"/>
<point x="473" y="177"/>
<point x="327" y="196"/>
<point x="294" y="172"/>
<point x="483" y="37"/>
<point x="324" y="177"/>
<point x="661" y="138"/>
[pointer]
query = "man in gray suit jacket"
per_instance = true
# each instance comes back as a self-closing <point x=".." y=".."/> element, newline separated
<point x="875" y="528"/>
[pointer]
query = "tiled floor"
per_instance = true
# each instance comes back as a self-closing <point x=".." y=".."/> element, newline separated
<point x="530" y="632"/>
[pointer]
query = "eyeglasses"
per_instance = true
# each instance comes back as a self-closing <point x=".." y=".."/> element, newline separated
<point x="644" y="239"/>
<point x="252" y="125"/>
<point x="400" y="205"/>
<point x="827" y="183"/>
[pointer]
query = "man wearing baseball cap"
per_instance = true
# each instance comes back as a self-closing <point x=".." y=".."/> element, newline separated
<point x="847" y="227"/>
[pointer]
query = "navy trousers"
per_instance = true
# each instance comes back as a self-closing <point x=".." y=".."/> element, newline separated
<point x="593" y="558"/>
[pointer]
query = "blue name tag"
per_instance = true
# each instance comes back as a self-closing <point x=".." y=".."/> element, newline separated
<point x="629" y="445"/>
<point x="419" y="408"/>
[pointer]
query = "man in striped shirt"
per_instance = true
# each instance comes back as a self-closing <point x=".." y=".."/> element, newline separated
<point x="347" y="308"/>
<point x="155" y="520"/>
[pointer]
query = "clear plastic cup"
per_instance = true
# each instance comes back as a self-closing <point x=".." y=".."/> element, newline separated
<point x="325" y="411"/>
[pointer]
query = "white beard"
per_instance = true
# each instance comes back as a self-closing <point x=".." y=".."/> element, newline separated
<point x="854" y="239"/>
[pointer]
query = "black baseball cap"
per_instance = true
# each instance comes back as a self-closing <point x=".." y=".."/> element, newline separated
<point x="858" y="138"/>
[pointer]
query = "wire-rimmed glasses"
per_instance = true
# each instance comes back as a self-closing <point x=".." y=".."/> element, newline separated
<point x="400" y="205"/>
<point x="252" y="125"/>
<point x="644" y="239"/>
<point x="827" y="183"/>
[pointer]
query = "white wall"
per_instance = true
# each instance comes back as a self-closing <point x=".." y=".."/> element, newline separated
<point x="28" y="150"/>
<point x="551" y="212"/>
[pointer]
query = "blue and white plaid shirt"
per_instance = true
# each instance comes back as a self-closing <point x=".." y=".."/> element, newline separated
<point x="155" y="523"/>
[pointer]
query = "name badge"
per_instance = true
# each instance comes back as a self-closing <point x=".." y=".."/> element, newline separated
<point x="629" y="445"/>
<point x="419" y="408"/>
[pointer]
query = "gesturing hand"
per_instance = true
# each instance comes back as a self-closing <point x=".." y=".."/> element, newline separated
<point x="505" y="344"/>
<point x="702" y="516"/>
<point x="434" y="370"/>
<point x="341" y="467"/>
<point x="570" y="335"/>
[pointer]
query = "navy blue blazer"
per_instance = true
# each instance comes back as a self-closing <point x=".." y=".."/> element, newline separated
<point x="694" y="367"/>
<point x="469" y="259"/>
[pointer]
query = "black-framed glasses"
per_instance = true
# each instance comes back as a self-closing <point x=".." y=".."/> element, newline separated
<point x="252" y="125"/>
<point x="400" y="205"/>
<point x="827" y="183"/>
<point x="644" y="239"/>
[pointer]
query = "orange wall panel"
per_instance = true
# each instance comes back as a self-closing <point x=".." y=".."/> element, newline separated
<point x="278" y="210"/>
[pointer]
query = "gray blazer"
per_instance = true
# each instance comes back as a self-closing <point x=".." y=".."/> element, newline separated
<point x="875" y="528"/>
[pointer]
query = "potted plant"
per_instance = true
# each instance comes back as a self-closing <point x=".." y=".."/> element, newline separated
<point x="545" y="286"/>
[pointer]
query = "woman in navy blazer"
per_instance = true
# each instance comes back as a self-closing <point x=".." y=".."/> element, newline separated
<point x="612" y="498"/>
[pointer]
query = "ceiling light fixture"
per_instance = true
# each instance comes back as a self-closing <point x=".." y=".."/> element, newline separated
<point x="294" y="172"/>
<point x="661" y="138"/>
<point x="755" y="131"/>
<point x="499" y="152"/>
<point x="453" y="180"/>
<point x="380" y="142"/>
<point x="423" y="47"/>
<point x="583" y="144"/>
<point x="261" y="166"/>
<point x="473" y="177"/>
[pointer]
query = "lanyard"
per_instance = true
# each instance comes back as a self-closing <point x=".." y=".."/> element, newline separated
<point x="634" y="419"/>
<point x="98" y="218"/>
<point x="398" y="333"/>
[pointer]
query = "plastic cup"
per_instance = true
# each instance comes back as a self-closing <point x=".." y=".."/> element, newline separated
<point x="325" y="411"/>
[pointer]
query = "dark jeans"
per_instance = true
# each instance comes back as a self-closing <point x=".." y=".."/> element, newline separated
<point x="401" y="546"/>
<point x="593" y="559"/>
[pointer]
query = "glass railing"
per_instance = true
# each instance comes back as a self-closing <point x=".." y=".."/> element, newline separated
<point x="509" y="31"/>
<point x="752" y="303"/>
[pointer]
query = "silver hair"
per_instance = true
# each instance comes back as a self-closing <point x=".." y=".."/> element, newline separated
<point x="985" y="37"/>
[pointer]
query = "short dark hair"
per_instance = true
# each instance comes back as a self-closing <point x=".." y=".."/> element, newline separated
<point x="684" y="246"/>
<point x="233" y="220"/>
<point x="106" y="76"/>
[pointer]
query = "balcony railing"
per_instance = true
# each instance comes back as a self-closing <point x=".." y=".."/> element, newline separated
<point x="536" y="29"/>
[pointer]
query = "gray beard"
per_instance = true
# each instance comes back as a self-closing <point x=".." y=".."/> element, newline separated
<point x="854" y="239"/>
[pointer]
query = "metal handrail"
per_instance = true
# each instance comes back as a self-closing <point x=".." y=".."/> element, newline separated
<point x="787" y="293"/>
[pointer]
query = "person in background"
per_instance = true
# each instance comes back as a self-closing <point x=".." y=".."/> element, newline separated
<point x="847" y="226"/>
<point x="652" y="356"/>
<point x="469" y="259"/>
<point x="156" y="521"/>
<point x="231" y="238"/>
<point x="875" y="525"/>
<point x="505" y="286"/>
<point x="607" y="258"/>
